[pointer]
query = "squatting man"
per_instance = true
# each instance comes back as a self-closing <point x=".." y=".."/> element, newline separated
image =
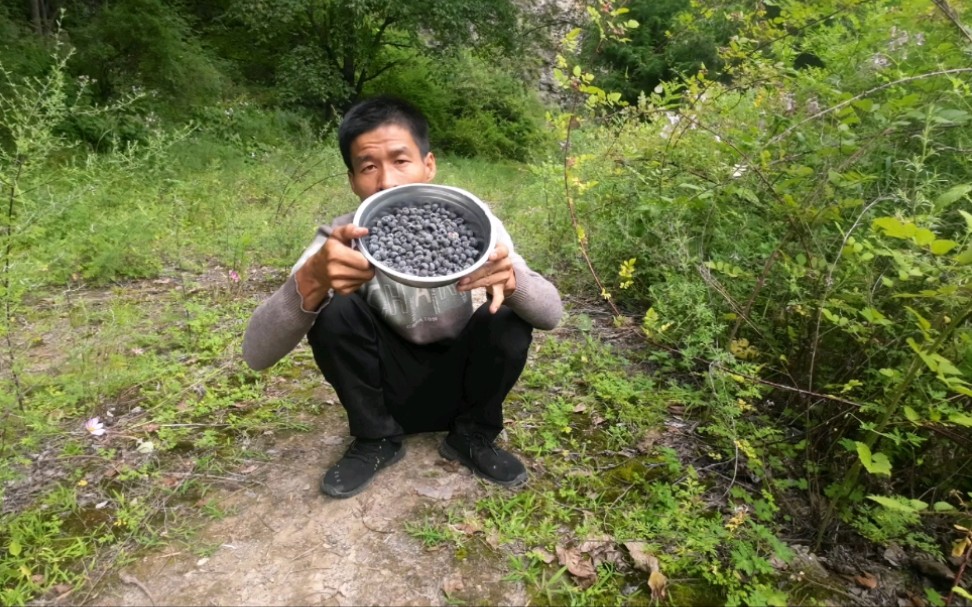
<point x="402" y="359"/>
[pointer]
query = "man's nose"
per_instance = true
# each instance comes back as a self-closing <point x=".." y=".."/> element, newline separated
<point x="386" y="180"/>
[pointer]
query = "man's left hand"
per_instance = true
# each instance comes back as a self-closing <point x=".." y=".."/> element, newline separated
<point x="496" y="275"/>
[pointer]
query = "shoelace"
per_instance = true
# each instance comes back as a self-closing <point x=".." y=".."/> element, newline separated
<point x="478" y="441"/>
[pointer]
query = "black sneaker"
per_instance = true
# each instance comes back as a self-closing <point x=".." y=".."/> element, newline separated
<point x="355" y="471"/>
<point x="483" y="457"/>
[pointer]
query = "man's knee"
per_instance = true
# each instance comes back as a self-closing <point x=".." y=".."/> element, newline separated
<point x="345" y="316"/>
<point x="506" y="333"/>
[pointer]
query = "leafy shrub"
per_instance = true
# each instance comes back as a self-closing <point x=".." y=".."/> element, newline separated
<point x="474" y="108"/>
<point x="800" y="233"/>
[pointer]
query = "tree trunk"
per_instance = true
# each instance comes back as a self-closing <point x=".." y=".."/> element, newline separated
<point x="36" y="16"/>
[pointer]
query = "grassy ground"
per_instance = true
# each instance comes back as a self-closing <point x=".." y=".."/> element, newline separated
<point x="134" y="315"/>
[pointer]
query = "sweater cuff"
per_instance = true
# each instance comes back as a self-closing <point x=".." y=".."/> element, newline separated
<point x="300" y="298"/>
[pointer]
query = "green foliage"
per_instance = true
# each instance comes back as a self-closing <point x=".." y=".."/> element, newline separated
<point x="145" y="45"/>
<point x="800" y="234"/>
<point x="610" y="480"/>
<point x="326" y="51"/>
<point x="658" y="49"/>
<point x="474" y="107"/>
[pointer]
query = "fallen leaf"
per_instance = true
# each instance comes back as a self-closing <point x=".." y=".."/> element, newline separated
<point x="576" y="564"/>
<point x="468" y="528"/>
<point x="437" y="493"/>
<point x="248" y="469"/>
<point x="657" y="582"/>
<point x="866" y="580"/>
<point x="597" y="420"/>
<point x="642" y="559"/>
<point x="647" y="442"/>
<point x="492" y="539"/>
<point x="542" y="555"/>
<point x="580" y="408"/>
<point x="601" y="550"/>
<point x="453" y="584"/>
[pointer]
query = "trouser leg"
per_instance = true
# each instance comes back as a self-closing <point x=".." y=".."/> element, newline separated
<point x="389" y="386"/>
<point x="346" y="341"/>
<point x="498" y="345"/>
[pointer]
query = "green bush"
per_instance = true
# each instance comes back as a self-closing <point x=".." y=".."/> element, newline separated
<point x="804" y="231"/>
<point x="474" y="108"/>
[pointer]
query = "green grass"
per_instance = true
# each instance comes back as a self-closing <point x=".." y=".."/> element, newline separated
<point x="133" y="316"/>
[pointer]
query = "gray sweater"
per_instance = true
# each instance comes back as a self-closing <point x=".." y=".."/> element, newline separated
<point x="419" y="315"/>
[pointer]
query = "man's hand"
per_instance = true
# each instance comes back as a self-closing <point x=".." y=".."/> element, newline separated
<point x="335" y="266"/>
<point x="496" y="275"/>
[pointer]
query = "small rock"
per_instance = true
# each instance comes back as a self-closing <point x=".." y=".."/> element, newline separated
<point x="932" y="568"/>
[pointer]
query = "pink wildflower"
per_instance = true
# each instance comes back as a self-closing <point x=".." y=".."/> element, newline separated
<point x="94" y="426"/>
<point x="234" y="276"/>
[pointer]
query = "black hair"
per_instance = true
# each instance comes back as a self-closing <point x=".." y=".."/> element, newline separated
<point x="376" y="112"/>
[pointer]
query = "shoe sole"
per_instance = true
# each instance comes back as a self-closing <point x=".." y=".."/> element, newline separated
<point x="448" y="452"/>
<point x="337" y="493"/>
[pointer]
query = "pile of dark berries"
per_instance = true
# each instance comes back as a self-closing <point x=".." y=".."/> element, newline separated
<point x="427" y="239"/>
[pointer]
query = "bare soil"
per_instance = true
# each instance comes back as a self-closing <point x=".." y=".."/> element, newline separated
<point x="286" y="544"/>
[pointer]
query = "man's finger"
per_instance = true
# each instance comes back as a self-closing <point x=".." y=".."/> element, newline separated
<point x="497" y="298"/>
<point x="346" y="233"/>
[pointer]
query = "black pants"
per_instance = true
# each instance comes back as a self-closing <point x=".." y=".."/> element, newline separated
<point x="390" y="387"/>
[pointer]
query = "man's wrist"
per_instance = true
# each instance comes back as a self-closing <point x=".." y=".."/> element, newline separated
<point x="313" y="291"/>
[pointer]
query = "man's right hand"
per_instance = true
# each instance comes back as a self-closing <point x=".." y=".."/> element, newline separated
<point x="335" y="266"/>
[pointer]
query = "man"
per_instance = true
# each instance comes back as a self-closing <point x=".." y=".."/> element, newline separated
<point x="402" y="359"/>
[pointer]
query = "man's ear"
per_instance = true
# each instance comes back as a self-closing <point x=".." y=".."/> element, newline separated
<point x="429" y="166"/>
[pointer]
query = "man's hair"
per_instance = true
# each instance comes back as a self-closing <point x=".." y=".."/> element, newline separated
<point x="376" y="112"/>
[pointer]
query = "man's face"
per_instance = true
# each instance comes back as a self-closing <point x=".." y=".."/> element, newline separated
<point x="387" y="157"/>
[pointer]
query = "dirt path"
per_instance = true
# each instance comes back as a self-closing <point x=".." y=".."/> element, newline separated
<point x="286" y="544"/>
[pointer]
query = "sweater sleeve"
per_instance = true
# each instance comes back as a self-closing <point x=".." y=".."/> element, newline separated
<point x="535" y="300"/>
<point x="280" y="322"/>
<point x="276" y="327"/>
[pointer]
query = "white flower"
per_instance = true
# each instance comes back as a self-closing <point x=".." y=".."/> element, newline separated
<point x="94" y="426"/>
<point x="879" y="62"/>
<point x="739" y="170"/>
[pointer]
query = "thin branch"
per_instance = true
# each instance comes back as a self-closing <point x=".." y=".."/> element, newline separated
<point x="953" y="17"/>
<point x="846" y="102"/>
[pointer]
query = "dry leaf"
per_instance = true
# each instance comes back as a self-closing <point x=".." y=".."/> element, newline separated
<point x="492" y="539"/>
<point x="642" y="559"/>
<point x="437" y="493"/>
<point x="453" y="584"/>
<point x="866" y="580"/>
<point x="597" y="420"/>
<point x="542" y="554"/>
<point x="580" y="408"/>
<point x="576" y="564"/>
<point x="657" y="582"/>
<point x="248" y="469"/>
<point x="468" y="528"/>
<point x="601" y="550"/>
<point x="959" y="547"/>
<point x="647" y="442"/>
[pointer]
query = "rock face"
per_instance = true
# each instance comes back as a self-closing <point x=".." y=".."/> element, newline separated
<point x="557" y="17"/>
